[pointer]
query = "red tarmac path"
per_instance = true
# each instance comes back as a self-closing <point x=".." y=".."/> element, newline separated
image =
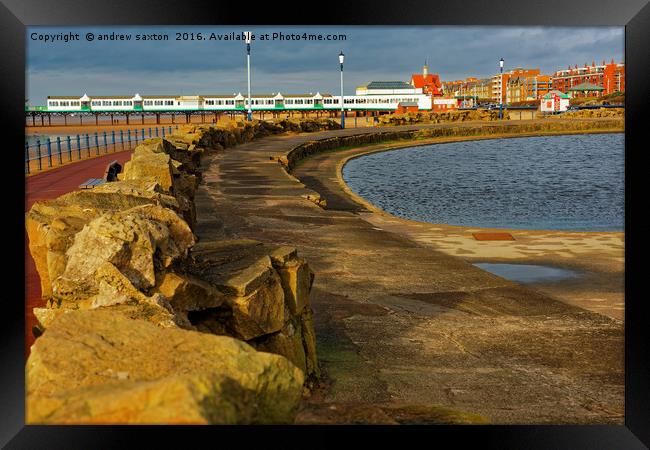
<point x="48" y="185"/>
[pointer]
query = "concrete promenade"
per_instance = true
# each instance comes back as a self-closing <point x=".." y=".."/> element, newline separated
<point x="407" y="332"/>
<point x="48" y="185"/>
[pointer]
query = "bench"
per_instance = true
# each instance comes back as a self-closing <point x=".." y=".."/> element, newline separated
<point x="91" y="183"/>
<point x="110" y="174"/>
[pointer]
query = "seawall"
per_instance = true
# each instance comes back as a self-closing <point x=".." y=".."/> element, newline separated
<point x="385" y="134"/>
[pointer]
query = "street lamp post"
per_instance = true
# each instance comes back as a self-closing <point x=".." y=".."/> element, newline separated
<point x="501" y="89"/>
<point x="341" y="58"/>
<point x="248" y="67"/>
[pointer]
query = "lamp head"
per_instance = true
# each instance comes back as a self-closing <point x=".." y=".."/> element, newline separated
<point x="501" y="63"/>
<point x="341" y="57"/>
<point x="248" y="36"/>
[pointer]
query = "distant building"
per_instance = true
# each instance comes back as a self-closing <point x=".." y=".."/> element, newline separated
<point x="404" y="96"/>
<point x="404" y="107"/>
<point x="444" y="104"/>
<point x="469" y="92"/>
<point x="387" y="87"/>
<point x="531" y="85"/>
<point x="527" y="87"/>
<point x="554" y="101"/>
<point x="428" y="82"/>
<point x="610" y="77"/>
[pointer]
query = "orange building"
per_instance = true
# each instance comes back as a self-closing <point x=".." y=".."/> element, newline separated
<point x="610" y="77"/>
<point x="532" y="87"/>
<point x="500" y="82"/>
<point x="428" y="82"/>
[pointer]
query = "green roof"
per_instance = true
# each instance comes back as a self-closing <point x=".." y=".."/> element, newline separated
<point x="586" y="87"/>
<point x="558" y="93"/>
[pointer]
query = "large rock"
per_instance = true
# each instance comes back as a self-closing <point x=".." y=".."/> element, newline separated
<point x="287" y="342"/>
<point x="186" y="293"/>
<point x="101" y="367"/>
<point x="151" y="166"/>
<point x="243" y="271"/>
<point x="259" y="313"/>
<point x="138" y="241"/>
<point x="52" y="224"/>
<point x="186" y="154"/>
<point x="297" y="279"/>
<point x="309" y="342"/>
<point x="267" y="303"/>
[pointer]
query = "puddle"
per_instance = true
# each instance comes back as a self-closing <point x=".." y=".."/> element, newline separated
<point x="528" y="273"/>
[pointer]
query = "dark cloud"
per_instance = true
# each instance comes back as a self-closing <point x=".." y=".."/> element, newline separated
<point x="372" y="53"/>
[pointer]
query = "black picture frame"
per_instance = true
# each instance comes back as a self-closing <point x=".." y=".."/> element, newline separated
<point x="15" y="15"/>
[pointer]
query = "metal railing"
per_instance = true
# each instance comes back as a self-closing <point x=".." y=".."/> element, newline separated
<point x="50" y="153"/>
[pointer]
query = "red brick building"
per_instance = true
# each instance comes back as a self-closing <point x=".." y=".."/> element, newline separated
<point x="610" y="77"/>
<point x="406" y="107"/>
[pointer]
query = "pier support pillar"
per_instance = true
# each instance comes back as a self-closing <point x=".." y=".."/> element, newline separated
<point x="142" y="116"/>
<point x="49" y="120"/>
<point x="42" y="121"/>
<point x="157" y="118"/>
<point x="96" y="119"/>
<point x="65" y="119"/>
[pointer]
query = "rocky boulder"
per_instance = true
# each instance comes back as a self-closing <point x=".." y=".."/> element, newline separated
<point x="52" y="224"/>
<point x="151" y="166"/>
<point x="99" y="367"/>
<point x="138" y="242"/>
<point x="187" y="155"/>
<point x="266" y="297"/>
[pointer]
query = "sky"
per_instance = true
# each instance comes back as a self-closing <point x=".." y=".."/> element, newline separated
<point x="215" y="65"/>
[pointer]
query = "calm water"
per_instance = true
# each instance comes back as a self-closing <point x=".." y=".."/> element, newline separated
<point x="528" y="273"/>
<point x="552" y="182"/>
